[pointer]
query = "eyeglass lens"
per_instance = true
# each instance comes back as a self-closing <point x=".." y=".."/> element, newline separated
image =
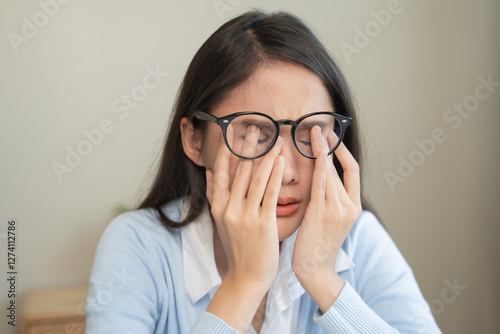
<point x="254" y="134"/>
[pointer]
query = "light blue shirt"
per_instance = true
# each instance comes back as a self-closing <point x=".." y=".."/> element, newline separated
<point x="148" y="278"/>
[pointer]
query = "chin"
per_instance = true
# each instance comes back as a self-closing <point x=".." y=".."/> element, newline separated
<point x="287" y="226"/>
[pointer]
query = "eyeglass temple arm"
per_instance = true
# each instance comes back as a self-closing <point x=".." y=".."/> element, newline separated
<point x="205" y="116"/>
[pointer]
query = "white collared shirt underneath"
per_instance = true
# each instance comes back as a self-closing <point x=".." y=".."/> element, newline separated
<point x="283" y="300"/>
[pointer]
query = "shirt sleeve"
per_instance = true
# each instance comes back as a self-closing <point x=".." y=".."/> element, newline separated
<point x="122" y="294"/>
<point x="126" y="294"/>
<point x="384" y="296"/>
<point x="210" y="323"/>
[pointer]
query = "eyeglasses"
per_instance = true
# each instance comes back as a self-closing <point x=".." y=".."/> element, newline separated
<point x="267" y="129"/>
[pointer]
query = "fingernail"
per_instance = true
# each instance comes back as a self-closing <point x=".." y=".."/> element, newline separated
<point x="279" y="141"/>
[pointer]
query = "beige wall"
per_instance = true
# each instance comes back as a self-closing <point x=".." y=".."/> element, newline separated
<point x="69" y="77"/>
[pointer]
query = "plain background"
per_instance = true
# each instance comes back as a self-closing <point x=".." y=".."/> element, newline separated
<point x="443" y="213"/>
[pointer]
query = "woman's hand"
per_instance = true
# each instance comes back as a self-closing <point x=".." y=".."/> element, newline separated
<point x="245" y="212"/>
<point x="332" y="210"/>
<point x="245" y="215"/>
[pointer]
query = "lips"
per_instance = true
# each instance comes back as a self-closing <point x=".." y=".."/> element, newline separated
<point x="287" y="206"/>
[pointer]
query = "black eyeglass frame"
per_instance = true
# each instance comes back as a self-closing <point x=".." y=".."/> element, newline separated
<point x="223" y="122"/>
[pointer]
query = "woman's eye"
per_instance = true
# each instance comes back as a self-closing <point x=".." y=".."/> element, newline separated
<point x="263" y="140"/>
<point x="304" y="142"/>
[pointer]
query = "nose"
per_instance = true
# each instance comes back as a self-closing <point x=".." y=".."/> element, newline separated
<point x="289" y="152"/>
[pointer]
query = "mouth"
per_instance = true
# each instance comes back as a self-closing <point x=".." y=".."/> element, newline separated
<point x="287" y="206"/>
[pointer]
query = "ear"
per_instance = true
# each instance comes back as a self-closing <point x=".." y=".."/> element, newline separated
<point x="191" y="141"/>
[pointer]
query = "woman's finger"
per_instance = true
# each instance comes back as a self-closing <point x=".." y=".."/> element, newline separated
<point x="351" y="174"/>
<point x="243" y="173"/>
<point x="319" y="144"/>
<point x="318" y="186"/>
<point x="332" y="141"/>
<point x="270" y="200"/>
<point x="335" y="181"/>
<point x="260" y="179"/>
<point x="351" y="186"/>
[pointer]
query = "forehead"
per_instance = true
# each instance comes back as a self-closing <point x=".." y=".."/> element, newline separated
<point x="280" y="90"/>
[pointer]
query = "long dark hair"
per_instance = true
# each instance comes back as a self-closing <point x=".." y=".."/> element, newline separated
<point x="224" y="61"/>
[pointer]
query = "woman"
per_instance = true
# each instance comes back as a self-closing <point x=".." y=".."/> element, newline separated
<point x="263" y="140"/>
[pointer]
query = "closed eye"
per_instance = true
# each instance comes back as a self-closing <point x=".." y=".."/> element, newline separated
<point x="306" y="143"/>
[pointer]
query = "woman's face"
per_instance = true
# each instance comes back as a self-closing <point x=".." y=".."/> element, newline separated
<point x="282" y="91"/>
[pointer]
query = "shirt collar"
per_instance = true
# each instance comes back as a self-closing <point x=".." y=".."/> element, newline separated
<point x="200" y="271"/>
<point x="286" y="288"/>
<point x="202" y="277"/>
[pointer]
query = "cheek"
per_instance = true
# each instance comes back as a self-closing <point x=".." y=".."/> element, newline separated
<point x="210" y="146"/>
